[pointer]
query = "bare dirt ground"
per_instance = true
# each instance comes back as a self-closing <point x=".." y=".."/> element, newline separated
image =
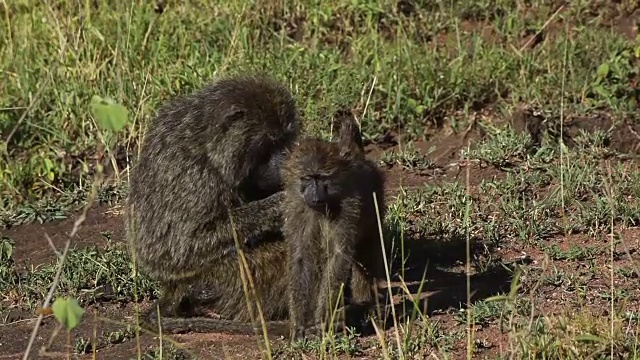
<point x="445" y="290"/>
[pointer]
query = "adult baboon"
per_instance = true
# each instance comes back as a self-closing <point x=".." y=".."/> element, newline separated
<point x="209" y="164"/>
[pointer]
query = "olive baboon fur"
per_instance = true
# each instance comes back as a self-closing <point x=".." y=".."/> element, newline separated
<point x="331" y="225"/>
<point x="209" y="164"/>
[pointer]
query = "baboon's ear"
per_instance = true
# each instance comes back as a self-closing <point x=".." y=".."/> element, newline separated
<point x="349" y="137"/>
<point x="232" y="114"/>
<point x="229" y="118"/>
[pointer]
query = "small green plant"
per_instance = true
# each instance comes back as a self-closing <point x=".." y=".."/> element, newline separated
<point x="616" y="80"/>
<point x="165" y="353"/>
<point x="119" y="336"/>
<point x="335" y="345"/>
<point x="503" y="148"/>
<point x="573" y="253"/>
<point x="594" y="143"/>
<point x="67" y="311"/>
<point x="82" y="345"/>
<point x="6" y="250"/>
<point x="408" y="158"/>
<point x="106" y="273"/>
<point x="482" y="313"/>
<point x="8" y="275"/>
<point x="9" y="278"/>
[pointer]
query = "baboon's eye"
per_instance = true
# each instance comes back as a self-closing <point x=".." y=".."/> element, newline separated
<point x="304" y="183"/>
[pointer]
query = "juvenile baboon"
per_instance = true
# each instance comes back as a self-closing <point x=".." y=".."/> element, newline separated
<point x="210" y="163"/>
<point x="330" y="225"/>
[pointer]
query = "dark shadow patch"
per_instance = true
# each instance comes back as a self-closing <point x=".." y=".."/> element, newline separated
<point x="428" y="276"/>
<point x="622" y="136"/>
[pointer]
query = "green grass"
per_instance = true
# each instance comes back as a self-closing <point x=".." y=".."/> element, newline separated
<point x="430" y="67"/>
<point x="416" y="70"/>
<point x="89" y="274"/>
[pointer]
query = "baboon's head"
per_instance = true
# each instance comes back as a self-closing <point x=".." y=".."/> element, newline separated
<point x="320" y="170"/>
<point x="258" y="123"/>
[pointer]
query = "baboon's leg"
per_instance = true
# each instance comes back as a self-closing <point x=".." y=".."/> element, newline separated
<point x="173" y="302"/>
<point x="368" y="275"/>
<point x="336" y="275"/>
<point x="173" y="299"/>
<point x="302" y="290"/>
<point x="361" y="286"/>
<point x="223" y="291"/>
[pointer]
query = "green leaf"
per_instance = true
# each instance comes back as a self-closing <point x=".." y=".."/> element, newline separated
<point x="588" y="338"/>
<point x="600" y="90"/>
<point x="108" y="113"/>
<point x="6" y="248"/>
<point x="48" y="164"/>
<point x="68" y="312"/>
<point x="603" y="70"/>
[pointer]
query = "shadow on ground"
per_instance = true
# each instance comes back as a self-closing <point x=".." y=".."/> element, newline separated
<point x="432" y="279"/>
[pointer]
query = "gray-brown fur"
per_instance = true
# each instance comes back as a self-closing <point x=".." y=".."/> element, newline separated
<point x="223" y="290"/>
<point x="269" y="271"/>
<point x="331" y="240"/>
<point x="206" y="158"/>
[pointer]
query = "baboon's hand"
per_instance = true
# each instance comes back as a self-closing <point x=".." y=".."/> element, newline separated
<point x="258" y="216"/>
<point x="255" y="240"/>
<point x="252" y="241"/>
<point x="298" y="333"/>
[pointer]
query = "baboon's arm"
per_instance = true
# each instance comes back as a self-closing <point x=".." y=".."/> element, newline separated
<point x="257" y="216"/>
<point x="250" y="222"/>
